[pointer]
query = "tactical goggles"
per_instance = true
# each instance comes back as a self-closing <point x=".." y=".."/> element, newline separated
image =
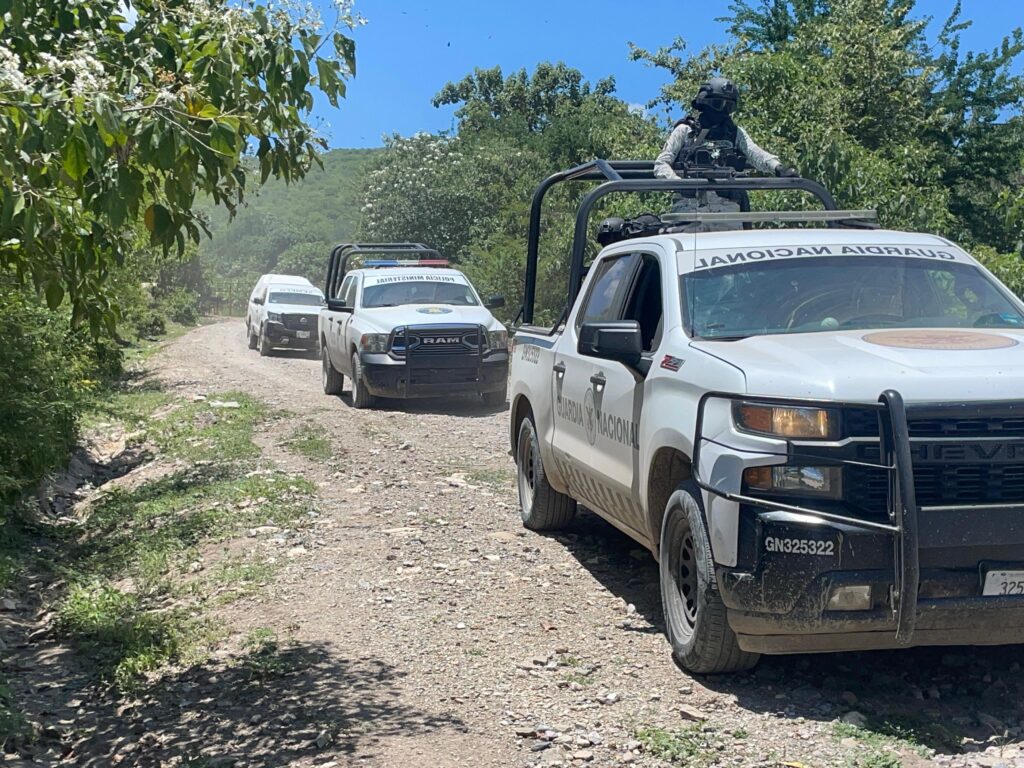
<point x="719" y="104"/>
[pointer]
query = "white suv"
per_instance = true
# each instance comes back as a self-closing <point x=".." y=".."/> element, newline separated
<point x="283" y="312"/>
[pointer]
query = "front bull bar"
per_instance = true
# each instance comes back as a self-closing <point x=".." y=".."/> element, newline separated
<point x="896" y="461"/>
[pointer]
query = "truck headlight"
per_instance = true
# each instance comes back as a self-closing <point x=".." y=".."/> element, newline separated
<point x="497" y="339"/>
<point x="825" y="482"/>
<point x="786" y="421"/>
<point x="274" y="317"/>
<point x="374" y="342"/>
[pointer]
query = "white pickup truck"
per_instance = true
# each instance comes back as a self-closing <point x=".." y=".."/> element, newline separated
<point x="818" y="432"/>
<point x="410" y="327"/>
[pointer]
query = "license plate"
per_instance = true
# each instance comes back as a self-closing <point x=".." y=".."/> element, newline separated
<point x="1004" y="583"/>
<point x="302" y="334"/>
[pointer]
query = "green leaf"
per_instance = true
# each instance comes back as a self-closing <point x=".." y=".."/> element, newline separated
<point x="54" y="293"/>
<point x="346" y="48"/>
<point x="75" y="157"/>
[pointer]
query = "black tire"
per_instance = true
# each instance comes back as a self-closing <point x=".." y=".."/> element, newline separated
<point x="361" y="398"/>
<point x="497" y="398"/>
<point x="265" y="348"/>
<point x="332" y="380"/>
<point x="695" y="616"/>
<point x="541" y="506"/>
<point x="253" y="339"/>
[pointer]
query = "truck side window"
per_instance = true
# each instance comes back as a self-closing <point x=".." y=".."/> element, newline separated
<point x="348" y="291"/>
<point x="606" y="289"/>
<point x="644" y="303"/>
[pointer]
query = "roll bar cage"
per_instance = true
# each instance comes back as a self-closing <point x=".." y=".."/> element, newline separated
<point x="337" y="265"/>
<point x="638" y="176"/>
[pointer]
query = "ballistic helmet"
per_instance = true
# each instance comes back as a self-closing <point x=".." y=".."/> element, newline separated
<point x="718" y="94"/>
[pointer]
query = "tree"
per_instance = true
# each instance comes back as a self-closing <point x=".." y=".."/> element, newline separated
<point x="855" y="93"/>
<point x="469" y="195"/>
<point x="106" y="121"/>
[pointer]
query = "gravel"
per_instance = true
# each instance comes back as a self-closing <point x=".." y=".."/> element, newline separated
<point x="446" y="634"/>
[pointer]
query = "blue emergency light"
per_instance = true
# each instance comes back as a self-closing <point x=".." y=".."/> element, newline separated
<point x="405" y="263"/>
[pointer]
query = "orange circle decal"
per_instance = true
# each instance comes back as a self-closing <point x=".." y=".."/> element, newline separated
<point x="939" y="339"/>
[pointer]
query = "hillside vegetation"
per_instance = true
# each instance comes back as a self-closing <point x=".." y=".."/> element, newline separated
<point x="285" y="228"/>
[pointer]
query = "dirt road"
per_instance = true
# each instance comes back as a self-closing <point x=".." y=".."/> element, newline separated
<point x="435" y="631"/>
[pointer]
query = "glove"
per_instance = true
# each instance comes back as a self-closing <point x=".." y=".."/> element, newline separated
<point x="786" y="171"/>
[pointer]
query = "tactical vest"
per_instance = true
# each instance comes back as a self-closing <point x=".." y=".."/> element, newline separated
<point x="710" y="148"/>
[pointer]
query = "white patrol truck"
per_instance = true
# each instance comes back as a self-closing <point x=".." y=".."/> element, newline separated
<point x="283" y="312"/>
<point x="819" y="433"/>
<point x="409" y="327"/>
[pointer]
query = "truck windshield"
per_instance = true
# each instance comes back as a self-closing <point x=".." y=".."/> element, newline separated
<point x="810" y="295"/>
<point x="418" y="292"/>
<point x="295" y="298"/>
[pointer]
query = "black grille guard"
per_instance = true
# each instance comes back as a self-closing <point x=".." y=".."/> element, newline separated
<point x="409" y="357"/>
<point x="896" y="460"/>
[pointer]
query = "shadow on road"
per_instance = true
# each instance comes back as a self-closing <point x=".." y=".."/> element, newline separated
<point x="268" y="708"/>
<point x="467" y="406"/>
<point x="949" y="699"/>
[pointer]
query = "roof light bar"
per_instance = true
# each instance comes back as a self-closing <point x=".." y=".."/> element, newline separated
<point x="405" y="263"/>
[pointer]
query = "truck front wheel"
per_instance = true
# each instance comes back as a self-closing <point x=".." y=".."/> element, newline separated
<point x="695" y="616"/>
<point x="333" y="381"/>
<point x="252" y="337"/>
<point x="265" y="347"/>
<point x="541" y="506"/>
<point x="361" y="397"/>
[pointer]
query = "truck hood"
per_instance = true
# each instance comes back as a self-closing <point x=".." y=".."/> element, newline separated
<point x="293" y="309"/>
<point x="387" y="318"/>
<point x="924" y="365"/>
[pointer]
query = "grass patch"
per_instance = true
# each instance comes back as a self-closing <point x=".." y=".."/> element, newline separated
<point x="580" y="679"/>
<point x="920" y="737"/>
<point x="489" y="476"/>
<point x="236" y="578"/>
<point x="263" y="659"/>
<point x="122" y="637"/>
<point x="690" y="747"/>
<point x="131" y="604"/>
<point x="308" y="441"/>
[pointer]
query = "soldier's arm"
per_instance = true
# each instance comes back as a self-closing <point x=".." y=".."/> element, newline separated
<point x="663" y="163"/>
<point x="761" y="159"/>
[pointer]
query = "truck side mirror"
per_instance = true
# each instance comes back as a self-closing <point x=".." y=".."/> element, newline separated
<point x="338" y="305"/>
<point x="618" y="340"/>
<point x="257" y="300"/>
<point x="497" y="301"/>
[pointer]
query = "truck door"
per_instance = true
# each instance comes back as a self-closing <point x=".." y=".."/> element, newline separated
<point x="339" y="327"/>
<point x="618" y="396"/>
<point x="575" y="432"/>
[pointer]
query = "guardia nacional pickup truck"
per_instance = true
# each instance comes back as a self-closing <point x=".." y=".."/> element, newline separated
<point x="408" y="327"/>
<point x="818" y="432"/>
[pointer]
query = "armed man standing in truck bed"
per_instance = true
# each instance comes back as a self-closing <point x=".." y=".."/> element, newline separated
<point x="710" y="139"/>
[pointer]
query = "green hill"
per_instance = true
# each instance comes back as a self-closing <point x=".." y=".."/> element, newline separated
<point x="285" y="229"/>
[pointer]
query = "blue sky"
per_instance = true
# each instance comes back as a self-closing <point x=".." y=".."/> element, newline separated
<point x="410" y="48"/>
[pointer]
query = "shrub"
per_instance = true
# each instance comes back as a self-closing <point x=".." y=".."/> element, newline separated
<point x="48" y="373"/>
<point x="148" y="324"/>
<point x="181" y="306"/>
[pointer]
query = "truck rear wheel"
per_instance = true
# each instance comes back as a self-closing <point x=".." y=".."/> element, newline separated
<point x="361" y="397"/>
<point x="541" y="506"/>
<point x="253" y="339"/>
<point x="695" y="616"/>
<point x="332" y="380"/>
